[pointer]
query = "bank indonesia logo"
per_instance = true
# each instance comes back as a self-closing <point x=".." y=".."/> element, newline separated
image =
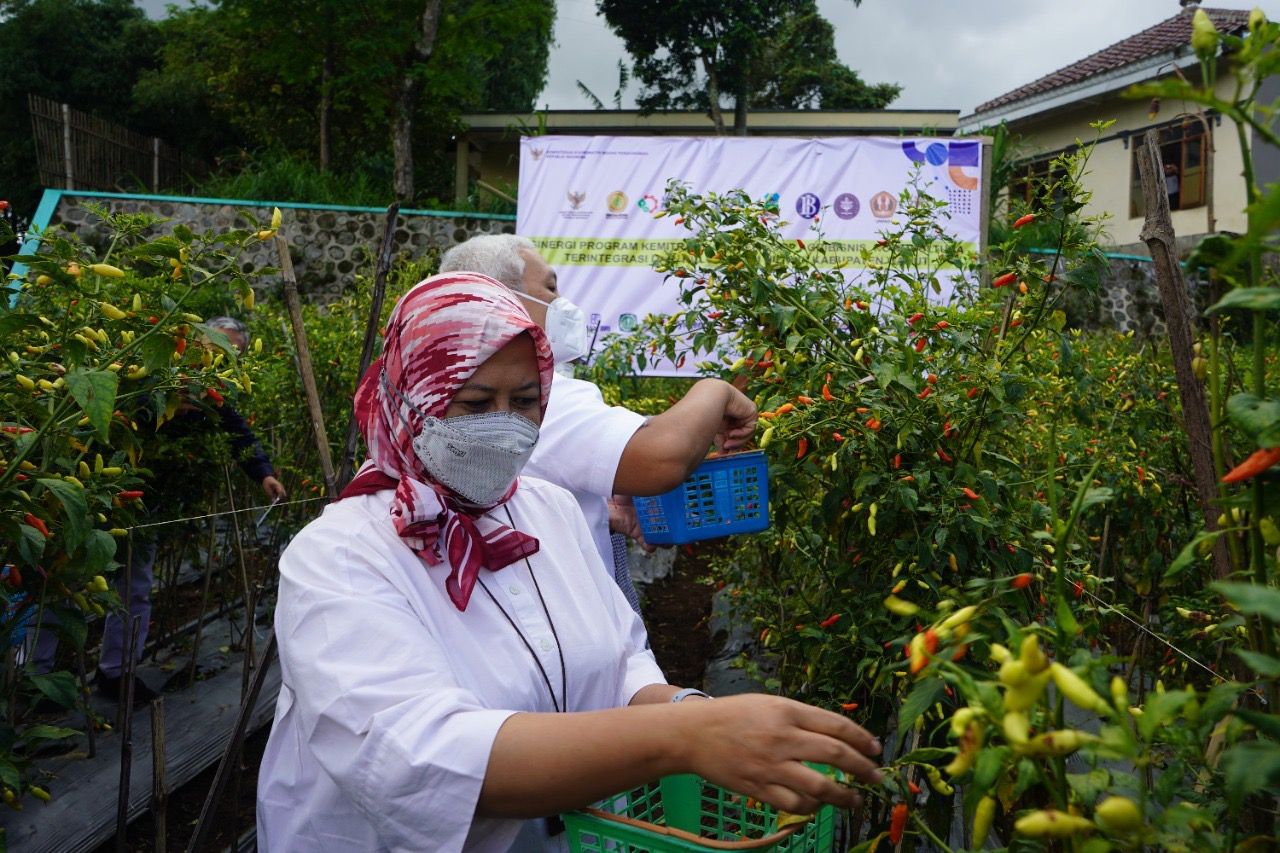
<point x="648" y="203"/>
<point x="808" y="205"/>
<point x="846" y="205"/>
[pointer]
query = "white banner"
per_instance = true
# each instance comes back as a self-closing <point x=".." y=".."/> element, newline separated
<point x="588" y="201"/>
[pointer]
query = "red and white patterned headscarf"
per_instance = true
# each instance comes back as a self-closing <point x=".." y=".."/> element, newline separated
<point x="438" y="334"/>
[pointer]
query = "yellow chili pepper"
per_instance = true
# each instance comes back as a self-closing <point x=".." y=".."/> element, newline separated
<point x="107" y="271"/>
<point x="1050" y="823"/>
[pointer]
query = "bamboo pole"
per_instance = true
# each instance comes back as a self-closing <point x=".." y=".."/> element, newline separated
<point x="126" y="735"/>
<point x="159" y="792"/>
<point x="1158" y="234"/>
<point x="204" y="592"/>
<point x="370" y="335"/>
<point x="304" y="365"/>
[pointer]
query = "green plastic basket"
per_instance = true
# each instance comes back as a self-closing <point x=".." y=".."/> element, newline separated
<point x="686" y="813"/>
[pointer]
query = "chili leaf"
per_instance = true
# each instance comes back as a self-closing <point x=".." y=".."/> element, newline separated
<point x="921" y="697"/>
<point x="76" y="525"/>
<point x="59" y="687"/>
<point x="1256" y="417"/>
<point x="1250" y="299"/>
<point x="1251" y="598"/>
<point x="95" y="392"/>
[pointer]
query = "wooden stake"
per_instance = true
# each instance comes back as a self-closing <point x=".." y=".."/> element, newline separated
<point x="126" y="735"/>
<point x="159" y="793"/>
<point x="370" y="336"/>
<point x="204" y="592"/>
<point x="294" y="305"/>
<point x="1158" y="234"/>
<point x="84" y="698"/>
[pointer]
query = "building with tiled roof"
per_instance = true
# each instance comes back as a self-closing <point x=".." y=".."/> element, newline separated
<point x="1051" y="113"/>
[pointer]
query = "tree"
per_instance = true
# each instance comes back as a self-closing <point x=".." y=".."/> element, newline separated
<point x="694" y="53"/>
<point x="86" y="53"/>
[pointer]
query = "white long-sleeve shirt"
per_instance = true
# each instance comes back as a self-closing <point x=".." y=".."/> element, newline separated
<point x="391" y="697"/>
<point x="579" y="447"/>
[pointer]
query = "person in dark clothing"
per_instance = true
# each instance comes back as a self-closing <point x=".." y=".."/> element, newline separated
<point x="134" y="583"/>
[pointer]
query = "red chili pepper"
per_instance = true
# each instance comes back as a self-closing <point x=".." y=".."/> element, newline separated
<point x="882" y="242"/>
<point x="848" y="706"/>
<point x="948" y="430"/>
<point x="179" y="345"/>
<point x="830" y="620"/>
<point x="970" y="494"/>
<point x="837" y="437"/>
<point x="1142" y="475"/>
<point x="874" y="424"/>
<point x="941" y="324"/>
<point x="1257" y="462"/>
<point x="680" y="362"/>
<point x="802" y="448"/>
<point x="37" y="523"/>
<point x="1015" y="323"/>
<point x="862" y="306"/>
<point x="921" y="343"/>
<point x="915" y="318"/>
<point x="1078" y="586"/>
<point x="714" y="315"/>
<point x="153" y="319"/>
<point x="944" y="456"/>
<point x="928" y="389"/>
<point x="932" y="379"/>
<point x="15" y="577"/>
<point x="972" y="392"/>
<point x="898" y="823"/>
<point x="213" y="395"/>
<point x="1024" y="220"/>
<point x="1022" y="581"/>
<point x="826" y="393"/>
<point x="961" y="651"/>
<point x="803" y="400"/>
<point x="131" y="494"/>
<point x="862" y="410"/>
<point x="1006" y="279"/>
<point x="897" y="461"/>
<point x="913" y="788"/>
<point x="930" y="641"/>
<point x="800" y="243"/>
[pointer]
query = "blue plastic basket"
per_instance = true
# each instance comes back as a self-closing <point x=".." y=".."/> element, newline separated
<point x="724" y="495"/>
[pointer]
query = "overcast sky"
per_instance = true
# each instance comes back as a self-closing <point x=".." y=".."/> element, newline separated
<point x="946" y="54"/>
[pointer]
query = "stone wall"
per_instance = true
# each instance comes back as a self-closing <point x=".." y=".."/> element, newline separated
<point x="328" y="246"/>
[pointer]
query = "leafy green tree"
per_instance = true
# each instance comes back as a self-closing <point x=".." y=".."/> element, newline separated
<point x="695" y="53"/>
<point x="86" y="53"/>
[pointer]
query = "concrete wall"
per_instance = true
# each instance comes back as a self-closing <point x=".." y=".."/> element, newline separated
<point x="328" y="244"/>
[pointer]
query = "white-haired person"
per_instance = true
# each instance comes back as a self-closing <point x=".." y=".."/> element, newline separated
<point x="604" y="454"/>
<point x="456" y="665"/>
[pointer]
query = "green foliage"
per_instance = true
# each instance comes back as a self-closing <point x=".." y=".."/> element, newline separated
<point x="296" y="178"/>
<point x="694" y="53"/>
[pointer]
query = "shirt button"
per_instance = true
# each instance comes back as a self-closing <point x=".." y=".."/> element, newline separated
<point x="513" y="589"/>
<point x="546" y="644"/>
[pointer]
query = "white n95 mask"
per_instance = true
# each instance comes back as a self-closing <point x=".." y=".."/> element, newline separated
<point x="566" y="328"/>
<point x="477" y="457"/>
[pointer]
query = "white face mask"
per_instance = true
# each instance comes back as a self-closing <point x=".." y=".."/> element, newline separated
<point x="566" y="328"/>
<point x="477" y="457"/>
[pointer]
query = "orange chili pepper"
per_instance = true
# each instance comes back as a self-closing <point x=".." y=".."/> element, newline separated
<point x="1007" y="278"/>
<point x="897" y="461"/>
<point x="826" y="393"/>
<point x="930" y="641"/>
<point x="862" y="306"/>
<point x="803" y="400"/>
<point x="972" y="392"/>
<point x="848" y="706"/>
<point x="928" y="389"/>
<point x="913" y="788"/>
<point x="837" y="437"/>
<point x="971" y="494"/>
<point x="1024" y="220"/>
<point x="1022" y="581"/>
<point x="784" y="408"/>
<point x="1257" y="462"/>
<point x="898" y="823"/>
<point x="874" y="424"/>
<point x="37" y="523"/>
<point x="921" y="343"/>
<point x="802" y="448"/>
<point x="830" y="620"/>
<point x="862" y="410"/>
<point x="941" y="324"/>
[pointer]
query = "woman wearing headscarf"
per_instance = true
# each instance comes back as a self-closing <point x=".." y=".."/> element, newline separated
<point x="455" y="662"/>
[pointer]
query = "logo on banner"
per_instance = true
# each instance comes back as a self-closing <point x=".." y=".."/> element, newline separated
<point x="648" y="203"/>
<point x="628" y="322"/>
<point x="616" y="202"/>
<point x="575" y="199"/>
<point x="536" y="153"/>
<point x="846" y="205"/>
<point x="808" y="205"/>
<point x="883" y="205"/>
<point x="957" y="156"/>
